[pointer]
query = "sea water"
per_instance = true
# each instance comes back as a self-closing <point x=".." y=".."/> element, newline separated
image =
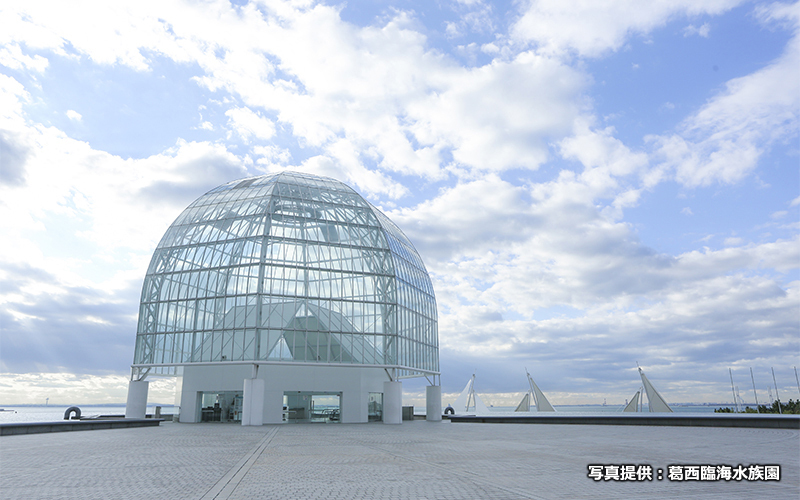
<point x="14" y="414"/>
<point x="56" y="413"/>
<point x="600" y="409"/>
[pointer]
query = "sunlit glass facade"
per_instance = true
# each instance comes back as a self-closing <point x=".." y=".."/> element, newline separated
<point x="287" y="268"/>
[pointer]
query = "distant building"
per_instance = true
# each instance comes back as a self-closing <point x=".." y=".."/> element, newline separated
<point x="286" y="298"/>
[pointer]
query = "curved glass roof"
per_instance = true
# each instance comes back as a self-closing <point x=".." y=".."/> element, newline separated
<point x="287" y="268"/>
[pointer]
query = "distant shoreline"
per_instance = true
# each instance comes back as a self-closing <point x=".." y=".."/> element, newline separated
<point x="103" y="405"/>
<point x="169" y="405"/>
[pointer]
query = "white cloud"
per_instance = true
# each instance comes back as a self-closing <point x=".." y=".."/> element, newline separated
<point x="63" y="389"/>
<point x="703" y="30"/>
<point x="528" y="272"/>
<point x="779" y="13"/>
<point x="526" y="266"/>
<point x="12" y="57"/>
<point x="474" y="16"/>
<point x="12" y="97"/>
<point x="724" y="139"/>
<point x="733" y="241"/>
<point x="502" y="115"/>
<point x="463" y="219"/>
<point x="606" y="159"/>
<point x="592" y="28"/>
<point x="376" y="88"/>
<point x="514" y="247"/>
<point x="102" y="30"/>
<point x="779" y="214"/>
<point x="248" y="123"/>
<point x="57" y="184"/>
<point x="328" y="81"/>
<point x="532" y="273"/>
<point x="451" y="29"/>
<point x="687" y="211"/>
<point x="337" y="89"/>
<point x="74" y="115"/>
<point x="348" y="168"/>
<point x="124" y="202"/>
<point x="13" y="144"/>
<point x="79" y="227"/>
<point x="272" y="154"/>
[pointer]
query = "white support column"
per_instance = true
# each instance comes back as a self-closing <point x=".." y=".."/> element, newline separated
<point x="253" y="401"/>
<point x="433" y="403"/>
<point x="136" y="406"/>
<point x="393" y="402"/>
<point x="273" y="406"/>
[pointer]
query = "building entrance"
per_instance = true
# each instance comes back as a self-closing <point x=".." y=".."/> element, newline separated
<point x="220" y="406"/>
<point x="375" y="407"/>
<point x="311" y="407"/>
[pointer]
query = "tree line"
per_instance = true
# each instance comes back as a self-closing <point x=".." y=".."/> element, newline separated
<point x="790" y="408"/>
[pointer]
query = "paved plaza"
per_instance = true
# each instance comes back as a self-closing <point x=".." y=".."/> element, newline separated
<point x="416" y="460"/>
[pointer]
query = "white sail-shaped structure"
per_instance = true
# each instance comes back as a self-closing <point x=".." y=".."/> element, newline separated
<point x="654" y="399"/>
<point x="468" y="402"/>
<point x="542" y="404"/>
<point x="525" y="404"/>
<point x="461" y="405"/>
<point x="633" y="406"/>
<point x="480" y="408"/>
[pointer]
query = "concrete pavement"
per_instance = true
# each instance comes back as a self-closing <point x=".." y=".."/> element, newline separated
<point x="416" y="460"/>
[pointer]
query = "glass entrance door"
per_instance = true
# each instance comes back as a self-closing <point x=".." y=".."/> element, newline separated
<point x="375" y="407"/>
<point x="220" y="406"/>
<point x="312" y="407"/>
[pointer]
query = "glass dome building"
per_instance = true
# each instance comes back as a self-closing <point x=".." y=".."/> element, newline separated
<point x="274" y="296"/>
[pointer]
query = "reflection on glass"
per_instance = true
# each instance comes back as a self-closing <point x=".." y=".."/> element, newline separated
<point x="375" y="407"/>
<point x="291" y="268"/>
<point x="312" y="407"/>
<point x="220" y="406"/>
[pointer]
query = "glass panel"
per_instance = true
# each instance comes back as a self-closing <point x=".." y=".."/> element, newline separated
<point x="375" y="407"/>
<point x="333" y="274"/>
<point x="312" y="407"/>
<point x="221" y="406"/>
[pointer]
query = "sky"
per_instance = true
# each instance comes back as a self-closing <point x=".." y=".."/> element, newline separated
<point x="591" y="185"/>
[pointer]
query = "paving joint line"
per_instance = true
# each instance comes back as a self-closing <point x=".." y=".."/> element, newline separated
<point x="223" y="488"/>
<point x="467" y="475"/>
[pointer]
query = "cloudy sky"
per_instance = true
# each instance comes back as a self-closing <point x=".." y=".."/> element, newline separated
<point x="591" y="184"/>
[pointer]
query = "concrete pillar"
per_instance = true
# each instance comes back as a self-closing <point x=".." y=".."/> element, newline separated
<point x="393" y="402"/>
<point x="136" y="406"/>
<point x="273" y="406"/>
<point x="433" y="403"/>
<point x="253" y="401"/>
<point x="352" y="405"/>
